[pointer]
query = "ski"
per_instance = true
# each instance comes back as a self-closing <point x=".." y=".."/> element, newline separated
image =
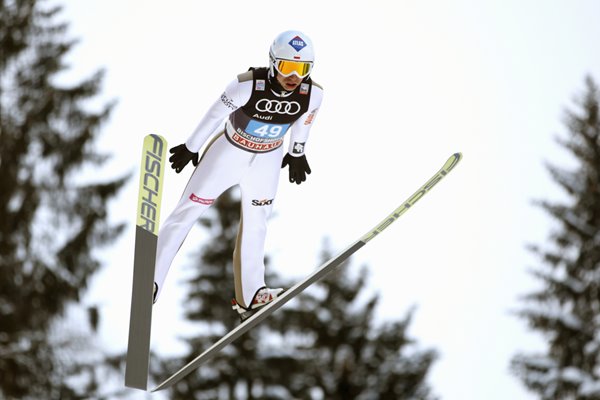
<point x="321" y="272"/>
<point x="146" y="235"/>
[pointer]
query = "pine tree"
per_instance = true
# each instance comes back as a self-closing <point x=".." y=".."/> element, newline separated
<point x="48" y="223"/>
<point x="324" y="347"/>
<point x="566" y="310"/>
<point x="339" y="353"/>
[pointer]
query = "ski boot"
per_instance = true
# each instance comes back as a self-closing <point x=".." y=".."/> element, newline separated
<point x="262" y="297"/>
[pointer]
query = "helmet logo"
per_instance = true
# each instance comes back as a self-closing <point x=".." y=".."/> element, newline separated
<point x="297" y="43"/>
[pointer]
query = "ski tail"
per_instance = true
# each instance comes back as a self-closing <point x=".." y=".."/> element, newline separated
<point x="320" y="273"/>
<point x="146" y="236"/>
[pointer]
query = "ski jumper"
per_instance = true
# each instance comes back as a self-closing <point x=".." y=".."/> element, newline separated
<point x="248" y="153"/>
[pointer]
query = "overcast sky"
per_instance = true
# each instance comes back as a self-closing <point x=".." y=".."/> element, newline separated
<point x="406" y="84"/>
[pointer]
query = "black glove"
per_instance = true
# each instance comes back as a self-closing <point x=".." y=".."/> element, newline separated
<point x="298" y="167"/>
<point x="181" y="157"/>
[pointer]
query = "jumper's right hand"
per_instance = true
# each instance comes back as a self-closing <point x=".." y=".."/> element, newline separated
<point x="181" y="157"/>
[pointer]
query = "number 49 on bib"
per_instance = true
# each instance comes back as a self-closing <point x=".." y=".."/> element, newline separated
<point x="264" y="130"/>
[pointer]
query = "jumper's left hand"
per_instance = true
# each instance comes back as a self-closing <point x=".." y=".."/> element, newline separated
<point x="298" y="167"/>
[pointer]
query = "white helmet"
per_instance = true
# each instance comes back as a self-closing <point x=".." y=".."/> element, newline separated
<point x="292" y="52"/>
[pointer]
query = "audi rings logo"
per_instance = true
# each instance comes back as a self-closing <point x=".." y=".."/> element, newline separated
<point x="278" y="107"/>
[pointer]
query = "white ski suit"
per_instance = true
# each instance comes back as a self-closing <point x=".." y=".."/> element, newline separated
<point x="247" y="153"/>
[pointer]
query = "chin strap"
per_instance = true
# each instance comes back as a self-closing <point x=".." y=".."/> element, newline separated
<point x="283" y="93"/>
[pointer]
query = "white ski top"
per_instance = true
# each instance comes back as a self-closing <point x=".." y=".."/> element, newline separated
<point x="236" y="95"/>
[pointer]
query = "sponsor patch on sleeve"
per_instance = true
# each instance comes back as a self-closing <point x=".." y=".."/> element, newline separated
<point x="228" y="101"/>
<point x="298" y="148"/>
<point x="310" y="117"/>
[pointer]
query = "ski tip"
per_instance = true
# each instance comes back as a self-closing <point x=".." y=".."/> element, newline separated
<point x="451" y="162"/>
<point x="157" y="137"/>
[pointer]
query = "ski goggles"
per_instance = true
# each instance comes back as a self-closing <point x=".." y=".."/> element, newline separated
<point x="287" y="68"/>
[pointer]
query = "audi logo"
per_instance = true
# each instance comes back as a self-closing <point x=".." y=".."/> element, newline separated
<point x="278" y="107"/>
